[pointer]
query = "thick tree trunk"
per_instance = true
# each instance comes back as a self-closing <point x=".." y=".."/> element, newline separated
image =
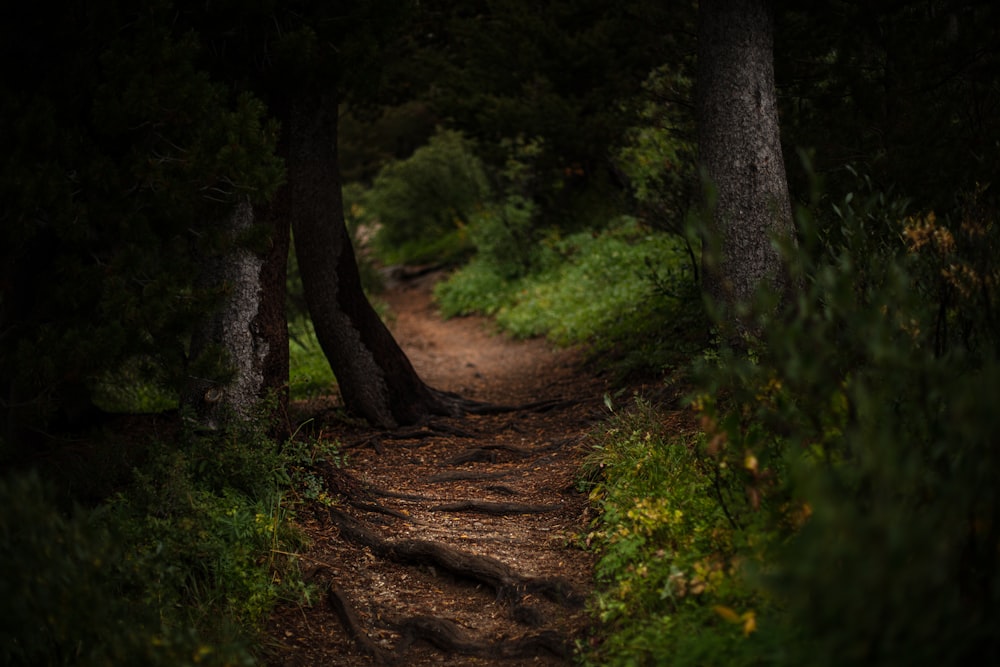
<point x="740" y="150"/>
<point x="375" y="378"/>
<point x="272" y="317"/>
<point x="247" y="328"/>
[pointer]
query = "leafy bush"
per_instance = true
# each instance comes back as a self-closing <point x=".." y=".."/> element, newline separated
<point x="505" y="231"/>
<point x="70" y="594"/>
<point x="866" y="411"/>
<point x="181" y="567"/>
<point x="845" y="476"/>
<point x="503" y="237"/>
<point x="474" y="288"/>
<point x="605" y="286"/>
<point x="627" y="288"/>
<point x="658" y="157"/>
<point x="422" y="205"/>
<point x="670" y="572"/>
<point x="112" y="198"/>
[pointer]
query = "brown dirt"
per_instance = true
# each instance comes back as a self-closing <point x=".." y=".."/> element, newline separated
<point x="455" y="543"/>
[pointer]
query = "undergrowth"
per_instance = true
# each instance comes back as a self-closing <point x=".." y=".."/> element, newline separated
<point x="673" y="562"/>
<point x="179" y="566"/>
<point x="627" y="294"/>
<point x="309" y="374"/>
<point x="838" y="505"/>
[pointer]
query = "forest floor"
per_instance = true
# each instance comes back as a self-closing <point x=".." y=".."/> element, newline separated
<point x="455" y="543"/>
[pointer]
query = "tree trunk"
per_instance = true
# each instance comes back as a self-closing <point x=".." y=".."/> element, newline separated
<point x="375" y="378"/>
<point x="247" y="329"/>
<point x="272" y="317"/>
<point x="740" y="149"/>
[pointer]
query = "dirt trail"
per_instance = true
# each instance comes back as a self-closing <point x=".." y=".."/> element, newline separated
<point x="456" y="546"/>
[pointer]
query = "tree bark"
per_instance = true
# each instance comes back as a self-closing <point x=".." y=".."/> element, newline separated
<point x="740" y="151"/>
<point x="272" y="318"/>
<point x="375" y="378"/>
<point x="248" y="327"/>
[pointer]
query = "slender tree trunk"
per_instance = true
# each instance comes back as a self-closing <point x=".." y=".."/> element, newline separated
<point x="740" y="150"/>
<point x="375" y="378"/>
<point x="247" y="329"/>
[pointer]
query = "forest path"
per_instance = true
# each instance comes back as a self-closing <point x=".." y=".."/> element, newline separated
<point x="454" y="543"/>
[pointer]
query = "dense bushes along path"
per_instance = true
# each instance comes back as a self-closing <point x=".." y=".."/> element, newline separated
<point x="453" y="543"/>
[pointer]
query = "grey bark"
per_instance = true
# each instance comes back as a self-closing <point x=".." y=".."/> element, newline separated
<point x="740" y="152"/>
<point x="375" y="378"/>
<point x="231" y="330"/>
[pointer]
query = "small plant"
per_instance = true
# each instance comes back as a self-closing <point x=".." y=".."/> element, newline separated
<point x="304" y="456"/>
<point x="671" y="566"/>
<point x="309" y="373"/>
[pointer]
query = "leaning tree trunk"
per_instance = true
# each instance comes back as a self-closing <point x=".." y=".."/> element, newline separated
<point x="740" y="150"/>
<point x="375" y="378"/>
<point x="247" y="330"/>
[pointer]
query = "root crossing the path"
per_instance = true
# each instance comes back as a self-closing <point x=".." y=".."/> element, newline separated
<point x="455" y="543"/>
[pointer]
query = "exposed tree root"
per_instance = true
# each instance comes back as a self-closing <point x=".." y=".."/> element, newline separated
<point x="491" y="453"/>
<point x="495" y="509"/>
<point x="456" y="406"/>
<point x="464" y="406"/>
<point x="466" y="475"/>
<point x="342" y="483"/>
<point x="449" y="636"/>
<point x="338" y="602"/>
<point x="501" y="488"/>
<point x="535" y="406"/>
<point x="339" y="481"/>
<point x="488" y="454"/>
<point x="385" y="493"/>
<point x="442" y="633"/>
<point x="424" y="432"/>
<point x="382" y="509"/>
<point x="527" y="615"/>
<point x="504" y="580"/>
<point x="429" y="430"/>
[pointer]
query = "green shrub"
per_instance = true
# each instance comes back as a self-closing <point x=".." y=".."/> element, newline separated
<point x="68" y="594"/>
<point x="671" y="560"/>
<point x="866" y="408"/>
<point x="603" y="287"/>
<point x="138" y="386"/>
<point x="658" y="156"/>
<point x="476" y="288"/>
<point x="626" y="293"/>
<point x="850" y="450"/>
<point x="421" y="206"/>
<point x="179" y="567"/>
<point x="505" y="232"/>
<point x="504" y="239"/>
